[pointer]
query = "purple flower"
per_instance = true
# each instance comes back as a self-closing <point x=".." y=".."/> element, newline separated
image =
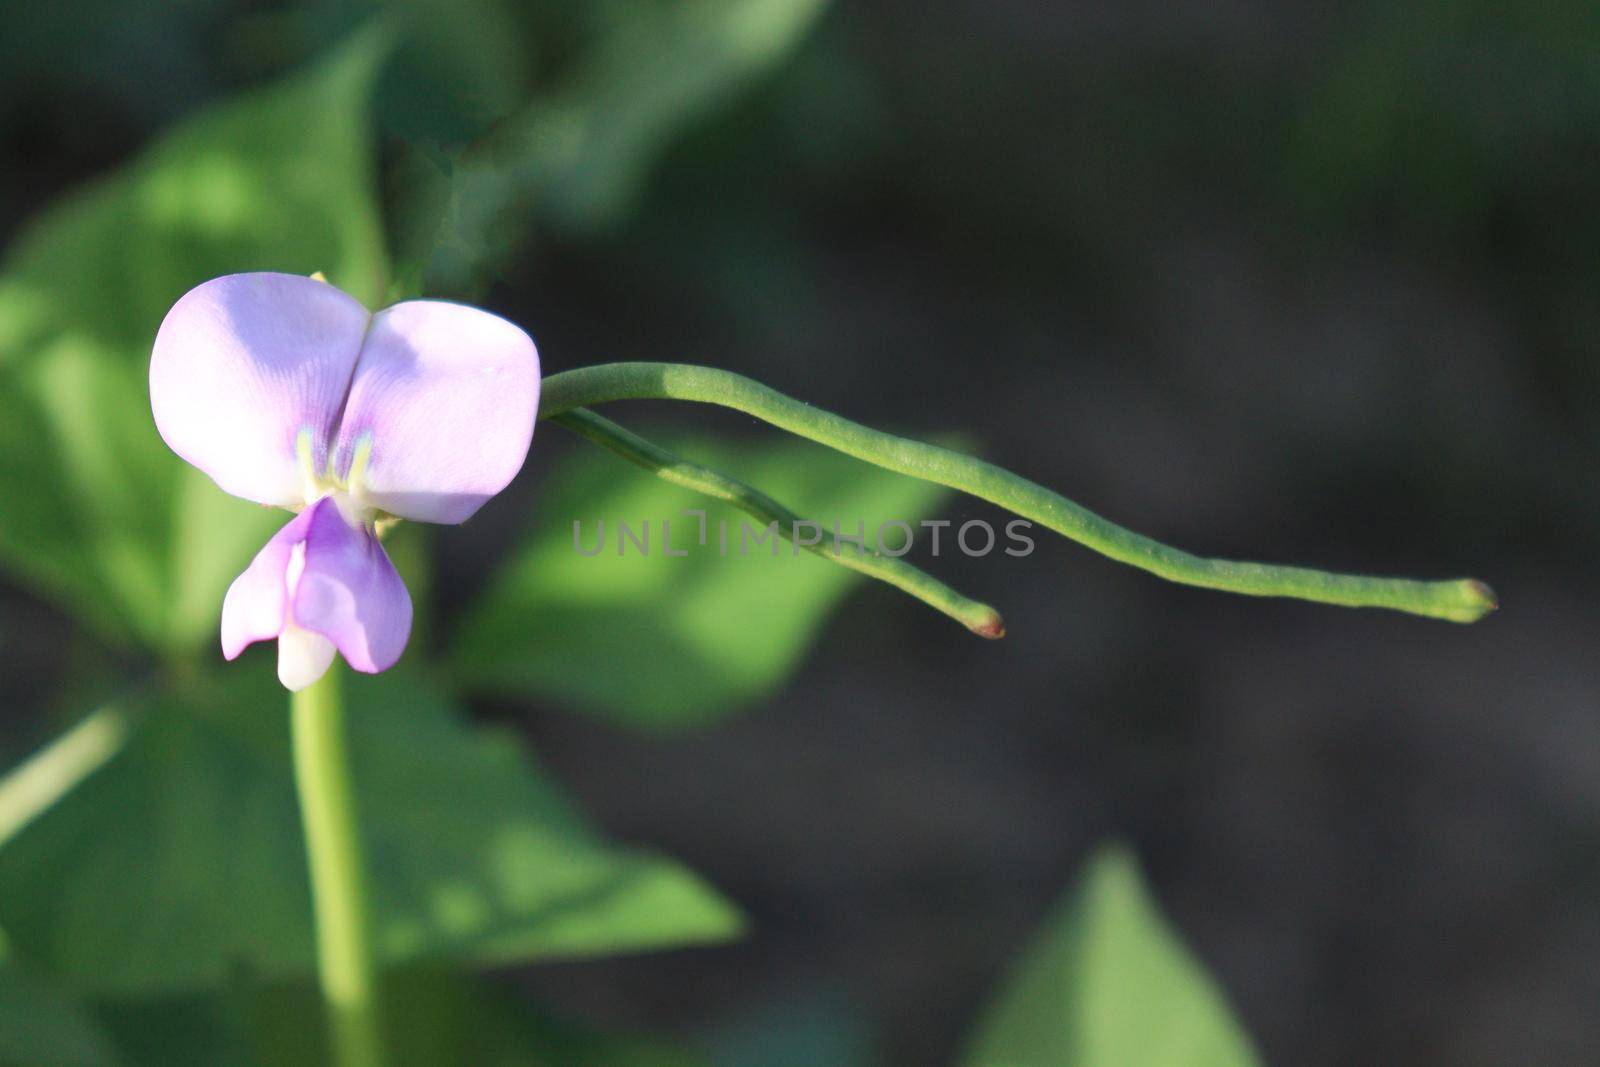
<point x="288" y="392"/>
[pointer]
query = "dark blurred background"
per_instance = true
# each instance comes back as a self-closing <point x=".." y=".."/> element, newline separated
<point x="1296" y="281"/>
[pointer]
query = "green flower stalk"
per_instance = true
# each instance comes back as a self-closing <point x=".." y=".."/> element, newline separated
<point x="338" y="879"/>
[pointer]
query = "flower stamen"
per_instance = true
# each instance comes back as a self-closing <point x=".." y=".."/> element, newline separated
<point x="304" y="450"/>
<point x="358" y="465"/>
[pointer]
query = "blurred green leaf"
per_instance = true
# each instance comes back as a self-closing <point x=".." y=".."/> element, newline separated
<point x="433" y="1019"/>
<point x="579" y="156"/>
<point x="195" y="1031"/>
<point x="1430" y="113"/>
<point x="798" y="1030"/>
<point x="98" y="514"/>
<point x="152" y="57"/>
<point x="1109" y="984"/>
<point x="665" y="641"/>
<point x="557" y="1043"/>
<point x="42" y="1027"/>
<point x="180" y="862"/>
<point x="460" y="66"/>
<point x="663" y="66"/>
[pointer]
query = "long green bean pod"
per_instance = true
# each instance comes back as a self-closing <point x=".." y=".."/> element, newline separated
<point x="1459" y="600"/>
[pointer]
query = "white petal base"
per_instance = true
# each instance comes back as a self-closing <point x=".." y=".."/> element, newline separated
<point x="303" y="657"/>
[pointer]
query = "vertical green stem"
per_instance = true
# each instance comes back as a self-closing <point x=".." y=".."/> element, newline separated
<point x="338" y="885"/>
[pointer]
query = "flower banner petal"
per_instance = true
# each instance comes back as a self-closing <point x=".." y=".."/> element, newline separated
<point x="349" y="591"/>
<point x="242" y="364"/>
<point x="441" y="410"/>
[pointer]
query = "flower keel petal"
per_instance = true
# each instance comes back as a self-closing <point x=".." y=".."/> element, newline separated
<point x="242" y="364"/>
<point x="303" y="657"/>
<point x="349" y="591"/>
<point x="441" y="410"/>
<point x="256" y="605"/>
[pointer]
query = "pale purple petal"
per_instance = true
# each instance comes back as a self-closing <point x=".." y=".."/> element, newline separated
<point x="446" y="397"/>
<point x="349" y="591"/>
<point x="242" y="364"/>
<point x="257" y="602"/>
<point x="303" y="657"/>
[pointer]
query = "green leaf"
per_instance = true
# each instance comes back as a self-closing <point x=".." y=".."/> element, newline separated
<point x="192" y="1031"/>
<point x="558" y="1043"/>
<point x="809" y="1027"/>
<point x="99" y="515"/>
<point x="662" y="67"/>
<point x="659" y="641"/>
<point x="180" y="863"/>
<point x="42" y="1027"/>
<point x="580" y="155"/>
<point x="1108" y="984"/>
<point x="433" y="1019"/>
